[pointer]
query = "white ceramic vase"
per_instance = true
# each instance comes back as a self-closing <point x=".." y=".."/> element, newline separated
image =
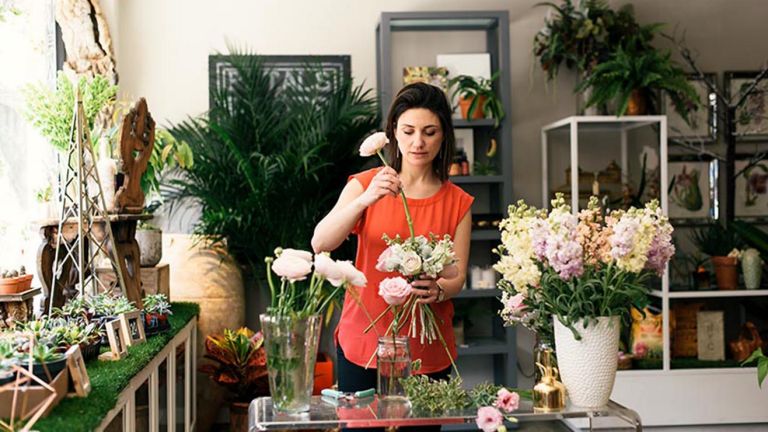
<point x="588" y="366"/>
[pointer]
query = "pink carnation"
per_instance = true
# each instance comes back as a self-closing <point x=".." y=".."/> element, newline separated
<point x="373" y="144"/>
<point x="507" y="400"/>
<point x="489" y="419"/>
<point x="394" y="290"/>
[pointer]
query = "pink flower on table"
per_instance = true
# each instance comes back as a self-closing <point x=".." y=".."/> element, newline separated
<point x="373" y="144"/>
<point x="329" y="269"/>
<point x="394" y="290"/>
<point x="351" y="274"/>
<point x="507" y="400"/>
<point x="640" y="350"/>
<point x="291" y="267"/>
<point x="489" y="419"/>
<point x="449" y="272"/>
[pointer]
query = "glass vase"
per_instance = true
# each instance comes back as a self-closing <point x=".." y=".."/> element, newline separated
<point x="393" y="364"/>
<point x="291" y="347"/>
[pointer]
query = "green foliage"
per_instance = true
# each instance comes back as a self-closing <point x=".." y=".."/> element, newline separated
<point x="438" y="396"/>
<point x="157" y="303"/>
<point x="240" y="362"/>
<point x="51" y="111"/>
<point x="469" y="87"/>
<point x="109" y="305"/>
<point x="44" y="354"/>
<point x="599" y="292"/>
<point x="585" y="35"/>
<point x="716" y="240"/>
<point x="762" y="365"/>
<point x="271" y="161"/>
<point x="753" y="236"/>
<point x="636" y="66"/>
<point x="167" y="153"/>
<point x="108" y="379"/>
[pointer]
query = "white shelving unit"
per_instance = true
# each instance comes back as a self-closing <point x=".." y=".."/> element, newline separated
<point x="663" y="396"/>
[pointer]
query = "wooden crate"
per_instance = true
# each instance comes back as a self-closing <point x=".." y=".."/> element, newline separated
<point x="154" y="280"/>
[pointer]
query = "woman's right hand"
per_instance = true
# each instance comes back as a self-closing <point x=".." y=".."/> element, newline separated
<point x="385" y="182"/>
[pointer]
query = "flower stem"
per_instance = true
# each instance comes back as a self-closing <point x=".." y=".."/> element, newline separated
<point x="405" y="201"/>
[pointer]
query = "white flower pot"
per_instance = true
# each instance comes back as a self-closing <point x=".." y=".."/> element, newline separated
<point x="150" y="246"/>
<point x="588" y="366"/>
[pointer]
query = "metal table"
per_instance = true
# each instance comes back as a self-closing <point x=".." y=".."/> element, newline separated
<point x="327" y="414"/>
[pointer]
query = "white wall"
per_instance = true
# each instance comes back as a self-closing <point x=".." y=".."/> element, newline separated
<point x="162" y="50"/>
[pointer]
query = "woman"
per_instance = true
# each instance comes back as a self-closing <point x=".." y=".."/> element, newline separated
<point x="420" y="151"/>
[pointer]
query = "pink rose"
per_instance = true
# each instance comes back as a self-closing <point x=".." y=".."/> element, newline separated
<point x="489" y="419"/>
<point x="449" y="272"/>
<point x="394" y="290"/>
<point x="329" y="269"/>
<point x="306" y="256"/>
<point x="373" y="144"/>
<point x="507" y="400"/>
<point x="381" y="263"/>
<point x="351" y="274"/>
<point x="291" y="267"/>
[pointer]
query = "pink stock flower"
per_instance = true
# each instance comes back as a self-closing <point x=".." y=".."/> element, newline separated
<point x="515" y="303"/>
<point x="449" y="272"/>
<point x="352" y="274"/>
<point x="394" y="290"/>
<point x="507" y="400"/>
<point x="373" y="144"/>
<point x="291" y="267"/>
<point x="329" y="269"/>
<point x="489" y="419"/>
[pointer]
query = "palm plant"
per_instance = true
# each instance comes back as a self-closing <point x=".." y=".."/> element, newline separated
<point x="271" y="157"/>
<point x="716" y="240"/>
<point x="634" y="67"/>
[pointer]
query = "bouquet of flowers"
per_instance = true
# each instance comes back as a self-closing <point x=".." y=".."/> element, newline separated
<point x="416" y="257"/>
<point x="578" y="266"/>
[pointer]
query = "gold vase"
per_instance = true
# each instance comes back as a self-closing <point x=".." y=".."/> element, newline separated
<point x="549" y="393"/>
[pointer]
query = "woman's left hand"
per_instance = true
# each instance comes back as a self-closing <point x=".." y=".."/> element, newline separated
<point x="426" y="289"/>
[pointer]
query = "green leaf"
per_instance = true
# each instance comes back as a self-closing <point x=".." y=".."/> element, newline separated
<point x="762" y="371"/>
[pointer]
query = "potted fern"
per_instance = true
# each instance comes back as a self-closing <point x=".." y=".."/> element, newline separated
<point x="632" y="78"/>
<point x="476" y="97"/>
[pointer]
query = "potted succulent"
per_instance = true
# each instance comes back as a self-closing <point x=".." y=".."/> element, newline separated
<point x="14" y="281"/>
<point x="156" y="311"/>
<point x="720" y="243"/>
<point x="634" y="76"/>
<point x="78" y="332"/>
<point x="48" y="361"/>
<point x="476" y="97"/>
<point x="240" y="365"/>
<point x="9" y="357"/>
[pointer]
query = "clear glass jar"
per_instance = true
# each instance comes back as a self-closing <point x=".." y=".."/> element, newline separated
<point x="393" y="364"/>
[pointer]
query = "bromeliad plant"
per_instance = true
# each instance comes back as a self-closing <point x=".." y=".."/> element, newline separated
<point x="240" y="363"/>
<point x="578" y="266"/>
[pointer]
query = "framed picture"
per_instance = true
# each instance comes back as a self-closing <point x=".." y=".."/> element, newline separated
<point x="702" y="125"/>
<point x="710" y="338"/>
<point x="751" y="189"/>
<point x="117" y="346"/>
<point x="692" y="189"/>
<point x="752" y="116"/>
<point x="132" y="328"/>
<point x="465" y="141"/>
<point x="288" y="69"/>
<point x="77" y="371"/>
<point x="437" y="76"/>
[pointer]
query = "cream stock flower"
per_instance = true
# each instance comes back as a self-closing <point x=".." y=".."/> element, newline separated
<point x="373" y="144"/>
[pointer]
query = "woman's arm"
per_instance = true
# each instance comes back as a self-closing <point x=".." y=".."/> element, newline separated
<point x="338" y="223"/>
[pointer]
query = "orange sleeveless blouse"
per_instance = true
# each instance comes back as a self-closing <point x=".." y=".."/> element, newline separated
<point x="439" y="214"/>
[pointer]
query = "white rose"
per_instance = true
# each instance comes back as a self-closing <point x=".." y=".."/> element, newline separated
<point x="411" y="264"/>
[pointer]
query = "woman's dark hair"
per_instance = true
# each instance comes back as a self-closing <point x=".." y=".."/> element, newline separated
<point x="422" y="95"/>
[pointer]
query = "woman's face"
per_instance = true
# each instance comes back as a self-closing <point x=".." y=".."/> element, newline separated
<point x="419" y="136"/>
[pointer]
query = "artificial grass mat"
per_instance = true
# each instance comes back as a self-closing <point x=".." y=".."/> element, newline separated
<point x="109" y="378"/>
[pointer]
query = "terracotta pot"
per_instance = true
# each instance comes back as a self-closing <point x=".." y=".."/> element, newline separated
<point x="464" y="104"/>
<point x="238" y="417"/>
<point x="638" y="103"/>
<point x="726" y="272"/>
<point x="15" y="285"/>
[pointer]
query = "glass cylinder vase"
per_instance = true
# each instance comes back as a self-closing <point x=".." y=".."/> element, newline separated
<point x="291" y="347"/>
<point x="393" y="364"/>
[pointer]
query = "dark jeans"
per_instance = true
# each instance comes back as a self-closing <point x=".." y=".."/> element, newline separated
<point x="354" y="378"/>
